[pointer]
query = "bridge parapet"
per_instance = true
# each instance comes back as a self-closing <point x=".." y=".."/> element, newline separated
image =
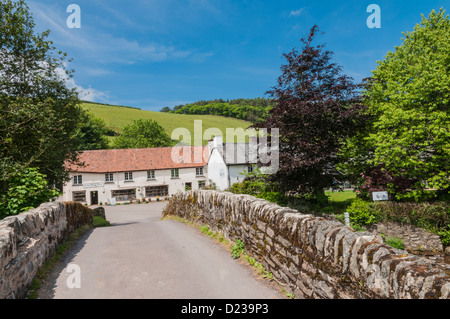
<point x="313" y="257"/>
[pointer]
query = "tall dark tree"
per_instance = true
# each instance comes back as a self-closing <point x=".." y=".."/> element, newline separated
<point x="317" y="108"/>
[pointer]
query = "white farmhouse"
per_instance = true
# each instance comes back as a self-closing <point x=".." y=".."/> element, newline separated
<point x="123" y="175"/>
<point x="228" y="162"/>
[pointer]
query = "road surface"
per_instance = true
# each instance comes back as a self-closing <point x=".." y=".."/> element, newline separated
<point x="141" y="256"/>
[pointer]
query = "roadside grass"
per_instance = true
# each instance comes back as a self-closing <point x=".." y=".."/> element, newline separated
<point x="62" y="248"/>
<point x="117" y="117"/>
<point x="101" y="222"/>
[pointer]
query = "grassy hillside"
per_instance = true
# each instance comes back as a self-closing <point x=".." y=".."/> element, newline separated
<point x="117" y="117"/>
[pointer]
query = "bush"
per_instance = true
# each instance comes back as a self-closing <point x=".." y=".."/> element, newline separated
<point x="425" y="215"/>
<point x="362" y="213"/>
<point x="27" y="189"/>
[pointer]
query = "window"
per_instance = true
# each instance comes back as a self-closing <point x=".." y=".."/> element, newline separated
<point x="124" y="194"/>
<point x="250" y="168"/>
<point x="151" y="174"/>
<point x="109" y="178"/>
<point x="199" y="171"/>
<point x="77" y="180"/>
<point x="201" y="184"/>
<point x="175" y="173"/>
<point x="79" y="196"/>
<point x="128" y="176"/>
<point x="153" y="191"/>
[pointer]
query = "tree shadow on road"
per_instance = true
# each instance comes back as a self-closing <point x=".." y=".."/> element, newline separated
<point x="50" y="282"/>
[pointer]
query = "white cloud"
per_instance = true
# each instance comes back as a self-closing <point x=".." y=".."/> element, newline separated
<point x="296" y="13"/>
<point x="86" y="94"/>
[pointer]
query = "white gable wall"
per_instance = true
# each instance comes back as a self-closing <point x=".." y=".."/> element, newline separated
<point x="217" y="170"/>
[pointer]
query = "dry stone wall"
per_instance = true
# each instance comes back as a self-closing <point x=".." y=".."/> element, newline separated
<point x="27" y="240"/>
<point x="313" y="257"/>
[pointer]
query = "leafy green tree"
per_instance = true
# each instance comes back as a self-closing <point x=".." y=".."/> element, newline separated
<point x="409" y="98"/>
<point x="27" y="189"/>
<point x="38" y="113"/>
<point x="141" y="134"/>
<point x="91" y="134"/>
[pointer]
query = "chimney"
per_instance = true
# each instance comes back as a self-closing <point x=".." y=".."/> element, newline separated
<point x="218" y="141"/>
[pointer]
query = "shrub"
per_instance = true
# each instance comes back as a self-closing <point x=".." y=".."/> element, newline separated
<point x="26" y="189"/>
<point x="362" y="213"/>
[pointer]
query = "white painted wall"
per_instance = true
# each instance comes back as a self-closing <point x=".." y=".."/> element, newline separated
<point x="235" y="173"/>
<point x="217" y="170"/>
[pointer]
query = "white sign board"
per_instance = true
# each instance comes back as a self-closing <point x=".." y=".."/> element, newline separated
<point x="380" y="196"/>
<point x="92" y="185"/>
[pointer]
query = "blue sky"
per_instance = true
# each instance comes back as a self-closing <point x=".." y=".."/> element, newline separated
<point x="157" y="53"/>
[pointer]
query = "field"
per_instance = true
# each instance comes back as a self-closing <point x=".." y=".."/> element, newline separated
<point x="117" y="117"/>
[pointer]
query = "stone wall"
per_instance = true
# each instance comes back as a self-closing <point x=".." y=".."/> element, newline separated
<point x="313" y="257"/>
<point x="27" y="240"/>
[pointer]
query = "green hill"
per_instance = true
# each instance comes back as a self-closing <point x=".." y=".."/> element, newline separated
<point x="117" y="117"/>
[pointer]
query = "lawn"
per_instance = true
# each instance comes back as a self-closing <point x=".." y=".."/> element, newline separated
<point x="338" y="197"/>
<point x="117" y="117"/>
<point x="340" y="200"/>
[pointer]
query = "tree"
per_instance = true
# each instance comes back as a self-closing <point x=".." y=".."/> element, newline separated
<point x="38" y="113"/>
<point x="317" y="108"/>
<point x="141" y="134"/>
<point x="90" y="135"/>
<point x="409" y="98"/>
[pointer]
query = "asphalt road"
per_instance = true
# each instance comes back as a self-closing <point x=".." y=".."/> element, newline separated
<point x="141" y="256"/>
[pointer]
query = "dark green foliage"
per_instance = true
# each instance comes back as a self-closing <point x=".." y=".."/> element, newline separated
<point x="141" y="134"/>
<point x="91" y="133"/>
<point x="252" y="110"/>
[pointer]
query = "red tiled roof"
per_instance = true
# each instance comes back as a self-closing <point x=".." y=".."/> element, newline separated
<point x="140" y="159"/>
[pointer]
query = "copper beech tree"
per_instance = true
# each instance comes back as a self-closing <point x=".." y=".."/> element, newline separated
<point x="317" y="108"/>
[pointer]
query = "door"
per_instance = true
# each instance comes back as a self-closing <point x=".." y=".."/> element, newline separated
<point x="94" y="198"/>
